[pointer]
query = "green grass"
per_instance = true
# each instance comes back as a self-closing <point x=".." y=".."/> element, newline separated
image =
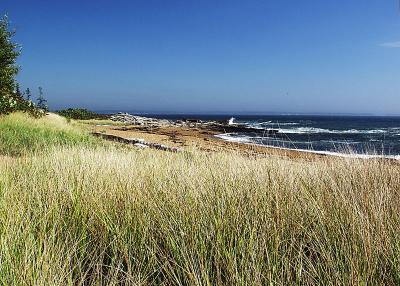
<point x="90" y="215"/>
<point x="21" y="134"/>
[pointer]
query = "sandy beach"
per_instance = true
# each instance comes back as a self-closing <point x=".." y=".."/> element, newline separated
<point x="200" y="138"/>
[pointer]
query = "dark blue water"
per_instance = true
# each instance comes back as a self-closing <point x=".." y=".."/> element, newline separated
<point x="357" y="134"/>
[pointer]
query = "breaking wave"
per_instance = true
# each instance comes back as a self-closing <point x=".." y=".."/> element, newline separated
<point x="311" y="130"/>
<point x="233" y="137"/>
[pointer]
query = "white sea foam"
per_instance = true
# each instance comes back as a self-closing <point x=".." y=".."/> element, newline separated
<point x="270" y="124"/>
<point x="238" y="139"/>
<point x="304" y="130"/>
<point x="341" y="141"/>
<point x="287" y="123"/>
<point x="247" y="140"/>
<point x="278" y="123"/>
<point x="314" y="130"/>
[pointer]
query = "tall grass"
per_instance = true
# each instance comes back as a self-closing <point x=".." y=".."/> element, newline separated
<point x="96" y="216"/>
<point x="21" y="134"/>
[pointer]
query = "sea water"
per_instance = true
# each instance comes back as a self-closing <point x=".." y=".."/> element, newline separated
<point x="366" y="135"/>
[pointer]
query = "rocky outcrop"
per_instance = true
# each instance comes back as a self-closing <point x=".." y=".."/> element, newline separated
<point x="137" y="142"/>
<point x="139" y="120"/>
<point x="224" y="126"/>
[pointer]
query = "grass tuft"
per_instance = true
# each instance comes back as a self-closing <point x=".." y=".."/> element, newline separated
<point x="21" y="134"/>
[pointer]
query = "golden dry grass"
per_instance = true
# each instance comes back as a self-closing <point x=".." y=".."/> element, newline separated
<point x="90" y="215"/>
<point x="107" y="216"/>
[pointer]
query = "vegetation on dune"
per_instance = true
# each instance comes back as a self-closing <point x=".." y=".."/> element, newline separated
<point x="21" y="134"/>
<point x="84" y="215"/>
<point x="79" y="113"/>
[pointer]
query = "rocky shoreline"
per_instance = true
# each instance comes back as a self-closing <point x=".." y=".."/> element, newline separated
<point x="184" y="134"/>
<point x="223" y="126"/>
<point x="178" y="135"/>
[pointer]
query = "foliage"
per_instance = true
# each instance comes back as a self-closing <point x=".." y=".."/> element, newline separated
<point x="28" y="94"/>
<point x="9" y="51"/>
<point x="7" y="103"/>
<point x="11" y="98"/>
<point x="79" y="113"/>
<point x="21" y="134"/>
<point x="41" y="101"/>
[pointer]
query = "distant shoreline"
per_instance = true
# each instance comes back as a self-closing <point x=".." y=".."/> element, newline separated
<point x="240" y="114"/>
<point x="205" y="138"/>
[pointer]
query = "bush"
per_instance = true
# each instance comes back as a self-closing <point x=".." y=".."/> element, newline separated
<point x="7" y="104"/>
<point x="79" y="113"/>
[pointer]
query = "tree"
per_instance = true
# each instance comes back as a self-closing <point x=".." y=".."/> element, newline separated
<point x="11" y="98"/>
<point x="9" y="52"/>
<point x="18" y="93"/>
<point x="28" y="94"/>
<point x="41" y="101"/>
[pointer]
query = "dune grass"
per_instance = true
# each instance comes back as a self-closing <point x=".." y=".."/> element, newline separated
<point x="21" y="134"/>
<point x="94" y="215"/>
<point x="84" y="216"/>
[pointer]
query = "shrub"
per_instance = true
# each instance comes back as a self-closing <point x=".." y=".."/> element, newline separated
<point x="79" y="113"/>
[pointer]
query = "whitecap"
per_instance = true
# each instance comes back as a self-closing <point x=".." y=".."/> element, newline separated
<point x="246" y="140"/>
<point x="278" y="123"/>
<point x="311" y="130"/>
<point x="304" y="130"/>
<point x="236" y="138"/>
<point x="340" y="141"/>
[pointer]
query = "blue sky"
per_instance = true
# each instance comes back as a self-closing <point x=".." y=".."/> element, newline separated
<point x="215" y="56"/>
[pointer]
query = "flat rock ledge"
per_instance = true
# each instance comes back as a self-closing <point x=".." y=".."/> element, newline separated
<point x="141" y="143"/>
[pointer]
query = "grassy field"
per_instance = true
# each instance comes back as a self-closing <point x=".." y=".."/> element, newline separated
<point x="21" y="134"/>
<point x="83" y="213"/>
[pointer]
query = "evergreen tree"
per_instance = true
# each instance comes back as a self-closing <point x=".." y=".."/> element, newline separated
<point x="18" y="93"/>
<point x="9" y="51"/>
<point x="28" y="94"/>
<point x="41" y="101"/>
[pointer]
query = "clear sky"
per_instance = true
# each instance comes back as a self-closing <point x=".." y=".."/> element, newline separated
<point x="193" y="56"/>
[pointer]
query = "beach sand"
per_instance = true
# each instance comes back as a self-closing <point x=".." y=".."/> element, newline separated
<point x="201" y="139"/>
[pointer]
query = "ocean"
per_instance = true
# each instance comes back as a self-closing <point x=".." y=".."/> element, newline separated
<point x="362" y="135"/>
